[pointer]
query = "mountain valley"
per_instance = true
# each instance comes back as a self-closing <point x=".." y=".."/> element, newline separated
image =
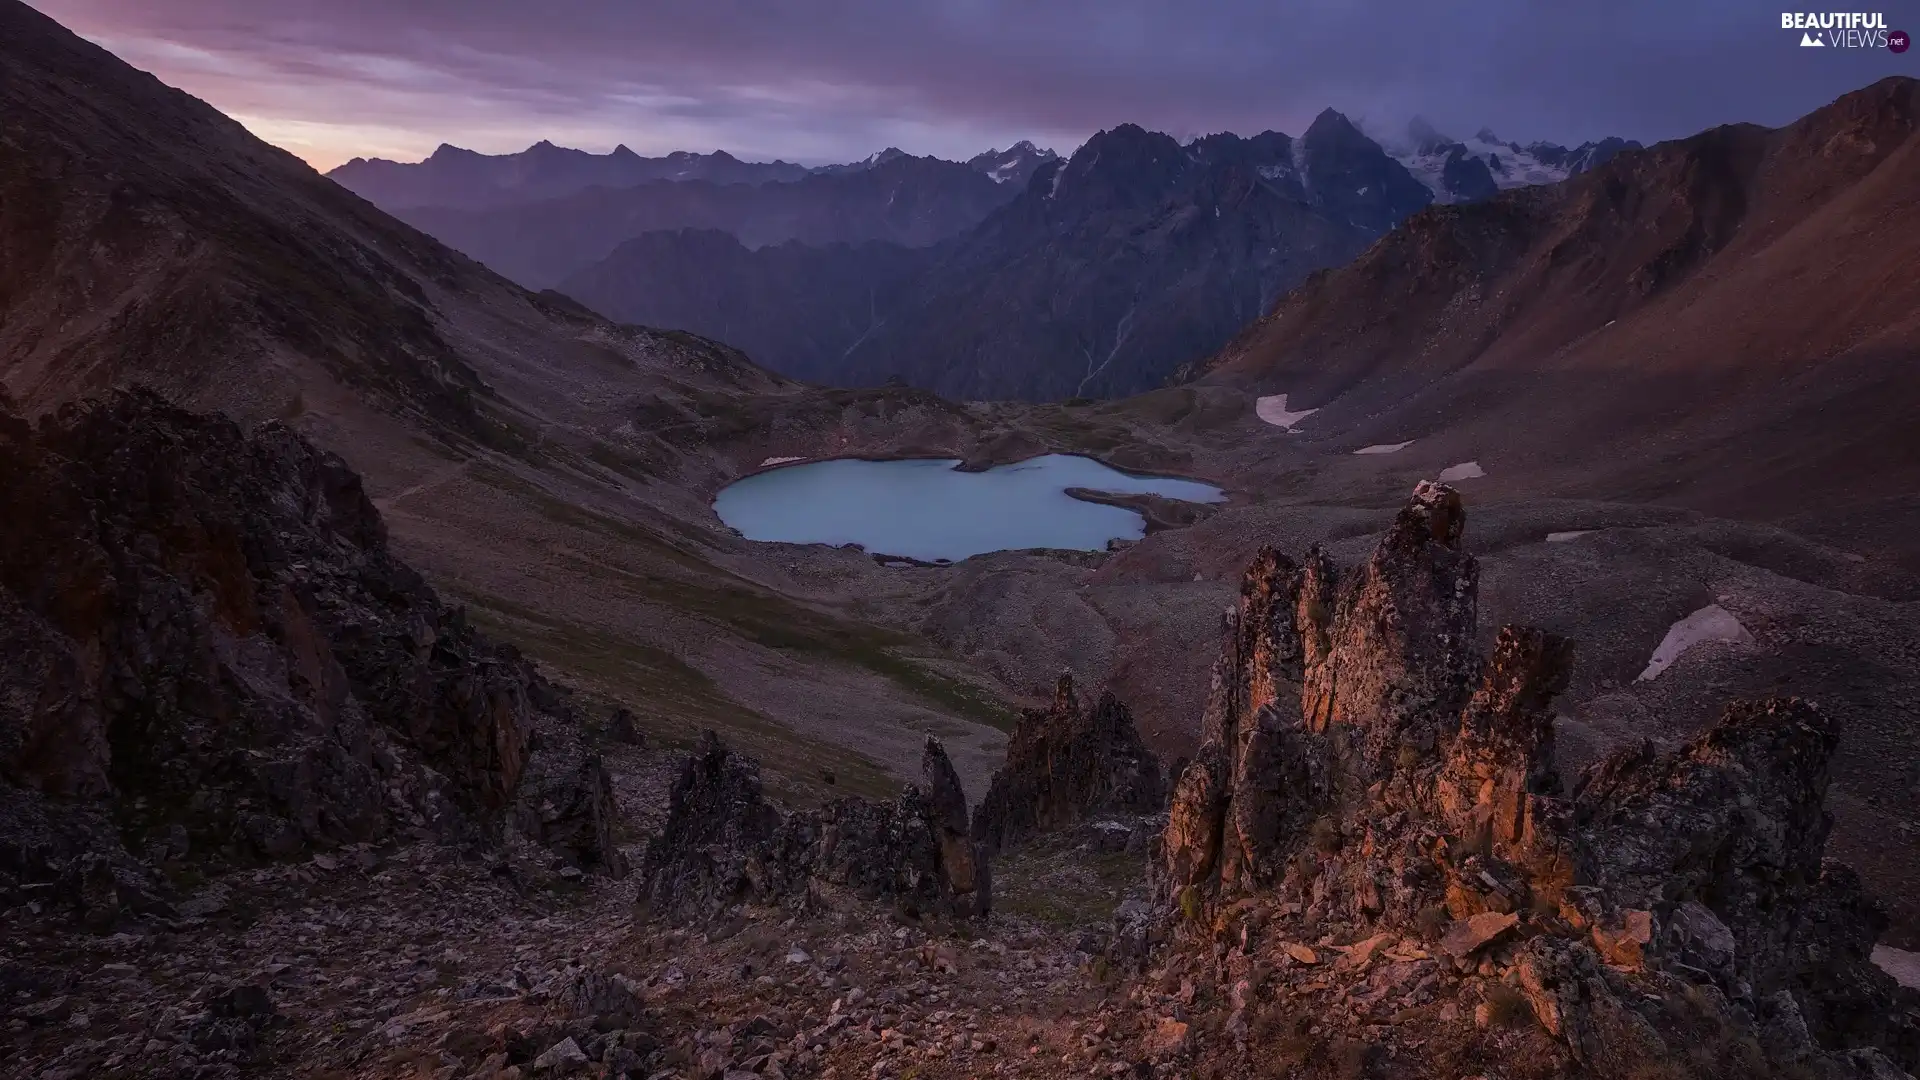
<point x="385" y="697"/>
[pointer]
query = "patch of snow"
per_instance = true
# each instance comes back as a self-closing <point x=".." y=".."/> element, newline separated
<point x="772" y="461"/>
<point x="1904" y="966"/>
<point x="1385" y="448"/>
<point x="1273" y="409"/>
<point x="1059" y="174"/>
<point x="1510" y="165"/>
<point x="1362" y="191"/>
<point x="1466" y="470"/>
<point x="1710" y="623"/>
<point x="1272" y="172"/>
<point x="1563" y="537"/>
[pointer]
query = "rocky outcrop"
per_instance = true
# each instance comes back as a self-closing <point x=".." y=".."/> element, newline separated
<point x="212" y="653"/>
<point x="1364" y="769"/>
<point x="1066" y="763"/>
<point x="724" y="844"/>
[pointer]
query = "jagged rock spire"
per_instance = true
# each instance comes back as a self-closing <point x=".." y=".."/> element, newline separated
<point x="1066" y="763"/>
<point x="1362" y="765"/>
<point x="724" y="844"/>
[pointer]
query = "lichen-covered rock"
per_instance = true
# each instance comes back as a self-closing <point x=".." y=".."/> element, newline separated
<point x="1400" y="657"/>
<point x="716" y="847"/>
<point x="1066" y="763"/>
<point x="1362" y="766"/>
<point x="206" y="634"/>
<point x="724" y="843"/>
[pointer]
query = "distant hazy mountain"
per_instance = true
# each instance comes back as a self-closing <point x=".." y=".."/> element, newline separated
<point x="1473" y="169"/>
<point x="801" y="308"/>
<point x="1014" y="165"/>
<point x="1043" y="278"/>
<point x="1102" y="275"/>
<point x="1138" y="253"/>
<point x="454" y="177"/>
<point x="912" y="201"/>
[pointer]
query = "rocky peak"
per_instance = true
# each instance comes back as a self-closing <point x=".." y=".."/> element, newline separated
<point x="1065" y="764"/>
<point x="1363" y="769"/>
<point x="724" y="844"/>
<point x="1350" y="177"/>
<point x="1424" y="136"/>
<point x="209" y="641"/>
<point x="1122" y="166"/>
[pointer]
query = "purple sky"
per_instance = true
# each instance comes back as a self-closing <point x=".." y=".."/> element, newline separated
<point x="834" y="80"/>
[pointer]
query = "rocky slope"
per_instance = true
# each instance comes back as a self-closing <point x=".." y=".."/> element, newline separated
<point x="1370" y="789"/>
<point x="546" y="468"/>
<point x="1369" y="868"/>
<point x="213" y="653"/>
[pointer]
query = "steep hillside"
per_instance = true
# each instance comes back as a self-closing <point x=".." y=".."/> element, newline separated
<point x="1729" y="321"/>
<point x="543" y="467"/>
<point x="798" y="309"/>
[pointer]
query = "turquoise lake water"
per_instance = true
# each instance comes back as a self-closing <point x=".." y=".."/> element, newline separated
<point x="925" y="509"/>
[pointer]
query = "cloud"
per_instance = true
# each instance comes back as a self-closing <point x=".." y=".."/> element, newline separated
<point x="837" y="79"/>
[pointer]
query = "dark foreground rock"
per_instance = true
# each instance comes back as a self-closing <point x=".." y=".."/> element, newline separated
<point x="724" y="844"/>
<point x="1066" y="763"/>
<point x="213" y="655"/>
<point x="1367" y="780"/>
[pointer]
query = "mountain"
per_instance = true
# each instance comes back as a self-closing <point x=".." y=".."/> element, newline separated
<point x="890" y="154"/>
<point x="1726" y="320"/>
<point x="1112" y="268"/>
<point x="454" y="177"/>
<point x="914" y="201"/>
<point x="1101" y="277"/>
<point x="1015" y="165"/>
<point x="1476" y="168"/>
<point x="797" y="308"/>
<point x="548" y="471"/>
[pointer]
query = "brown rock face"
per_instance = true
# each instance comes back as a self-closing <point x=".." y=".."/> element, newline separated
<point x="205" y="630"/>
<point x="1066" y="763"/>
<point x="723" y="844"/>
<point x="960" y="862"/>
<point x="1364" y="767"/>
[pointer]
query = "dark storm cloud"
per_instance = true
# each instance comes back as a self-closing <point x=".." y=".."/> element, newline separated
<point x="837" y="79"/>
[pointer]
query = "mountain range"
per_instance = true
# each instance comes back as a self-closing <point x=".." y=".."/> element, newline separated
<point x="1191" y="243"/>
<point x="1680" y="274"/>
<point x="905" y="200"/>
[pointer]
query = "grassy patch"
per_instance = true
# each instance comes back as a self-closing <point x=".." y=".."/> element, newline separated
<point x="673" y="701"/>
<point x="674" y="575"/>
